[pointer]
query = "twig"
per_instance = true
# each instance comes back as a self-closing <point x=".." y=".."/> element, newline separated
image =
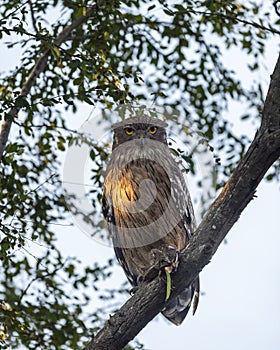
<point x="275" y="5"/>
<point x="33" y="19"/>
<point x="14" y="11"/>
<point x="39" y="278"/>
<point x="232" y="18"/>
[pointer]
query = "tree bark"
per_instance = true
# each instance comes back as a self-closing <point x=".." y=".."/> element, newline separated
<point x="147" y="302"/>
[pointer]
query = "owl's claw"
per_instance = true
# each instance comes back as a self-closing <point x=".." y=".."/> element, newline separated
<point x="164" y="260"/>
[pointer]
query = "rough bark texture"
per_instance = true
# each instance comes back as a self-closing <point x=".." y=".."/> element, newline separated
<point x="224" y="212"/>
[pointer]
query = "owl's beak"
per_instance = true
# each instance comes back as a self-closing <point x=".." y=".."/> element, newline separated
<point x="142" y="142"/>
<point x="142" y="139"/>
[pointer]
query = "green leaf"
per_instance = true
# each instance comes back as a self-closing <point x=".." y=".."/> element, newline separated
<point x="11" y="148"/>
<point x="21" y="102"/>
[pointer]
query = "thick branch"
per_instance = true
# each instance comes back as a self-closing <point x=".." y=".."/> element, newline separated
<point x="271" y="111"/>
<point x="38" y="68"/>
<point x="224" y="212"/>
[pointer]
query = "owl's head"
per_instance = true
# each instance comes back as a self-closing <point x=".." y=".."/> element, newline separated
<point x="137" y="128"/>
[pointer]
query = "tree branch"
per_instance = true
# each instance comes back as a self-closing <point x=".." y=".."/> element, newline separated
<point x="224" y="212"/>
<point x="38" y="68"/>
<point x="234" y="18"/>
<point x="33" y="19"/>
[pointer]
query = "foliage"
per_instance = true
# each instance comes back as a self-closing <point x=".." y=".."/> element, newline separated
<point x="126" y="51"/>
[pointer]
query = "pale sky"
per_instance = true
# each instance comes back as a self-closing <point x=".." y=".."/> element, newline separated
<point x="240" y="308"/>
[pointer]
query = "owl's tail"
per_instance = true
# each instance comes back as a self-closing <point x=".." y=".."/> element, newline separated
<point x="176" y="309"/>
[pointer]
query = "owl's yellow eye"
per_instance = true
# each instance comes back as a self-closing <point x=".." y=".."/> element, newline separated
<point x="152" y="130"/>
<point x="129" y="131"/>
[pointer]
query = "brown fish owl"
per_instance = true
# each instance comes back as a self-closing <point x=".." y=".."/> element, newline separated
<point x="148" y="208"/>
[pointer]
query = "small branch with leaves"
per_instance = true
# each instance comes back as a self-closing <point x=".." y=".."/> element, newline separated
<point x="38" y="68"/>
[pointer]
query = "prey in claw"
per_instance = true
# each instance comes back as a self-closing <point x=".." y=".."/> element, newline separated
<point x="164" y="262"/>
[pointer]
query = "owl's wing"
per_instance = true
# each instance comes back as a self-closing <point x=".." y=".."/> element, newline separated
<point x="176" y="308"/>
<point x="108" y="212"/>
<point x="182" y="197"/>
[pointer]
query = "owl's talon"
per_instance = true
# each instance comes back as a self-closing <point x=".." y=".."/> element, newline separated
<point x="166" y="258"/>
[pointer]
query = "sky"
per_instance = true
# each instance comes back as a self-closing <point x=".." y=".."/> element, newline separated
<point x="240" y="305"/>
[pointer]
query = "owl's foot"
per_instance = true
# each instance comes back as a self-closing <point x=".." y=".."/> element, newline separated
<point x="165" y="260"/>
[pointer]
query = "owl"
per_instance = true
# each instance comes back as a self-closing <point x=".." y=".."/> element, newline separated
<point x="148" y="209"/>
